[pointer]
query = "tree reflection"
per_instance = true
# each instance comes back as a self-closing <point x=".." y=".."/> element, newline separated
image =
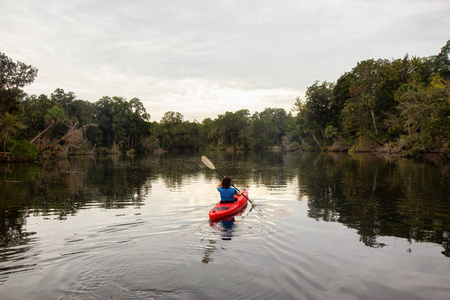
<point x="376" y="195"/>
<point x="379" y="196"/>
<point x="62" y="188"/>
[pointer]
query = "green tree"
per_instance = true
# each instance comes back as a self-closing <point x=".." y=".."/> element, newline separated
<point x="13" y="77"/>
<point x="341" y="95"/>
<point x="170" y="133"/>
<point x="442" y="61"/>
<point x="10" y="124"/>
<point x="52" y="117"/>
<point x="267" y="128"/>
<point x="62" y="99"/>
<point x="206" y="127"/>
<point x="35" y="108"/>
<point x="122" y="122"/>
<point x="173" y="133"/>
<point x="372" y="85"/>
<point x="228" y="128"/>
<point x="314" y="115"/>
<point x="424" y="114"/>
<point x="277" y="118"/>
<point x="361" y="106"/>
<point x="172" y="118"/>
<point x="22" y="150"/>
<point x="261" y="132"/>
<point x="138" y="123"/>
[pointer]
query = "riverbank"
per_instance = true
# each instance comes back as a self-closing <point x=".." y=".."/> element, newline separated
<point x="366" y="146"/>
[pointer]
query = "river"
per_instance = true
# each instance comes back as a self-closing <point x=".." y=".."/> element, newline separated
<point x="323" y="226"/>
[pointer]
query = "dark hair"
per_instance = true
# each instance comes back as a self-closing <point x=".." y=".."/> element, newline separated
<point x="226" y="182"/>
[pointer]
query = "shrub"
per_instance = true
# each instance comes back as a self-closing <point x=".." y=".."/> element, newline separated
<point x="23" y="150"/>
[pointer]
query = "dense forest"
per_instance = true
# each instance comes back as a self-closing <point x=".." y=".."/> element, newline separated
<point x="395" y="106"/>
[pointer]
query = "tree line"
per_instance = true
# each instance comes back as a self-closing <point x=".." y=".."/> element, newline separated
<point x="398" y="105"/>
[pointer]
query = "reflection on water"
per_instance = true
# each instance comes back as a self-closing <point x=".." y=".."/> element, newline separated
<point x="132" y="217"/>
<point x="380" y="197"/>
<point x="227" y="228"/>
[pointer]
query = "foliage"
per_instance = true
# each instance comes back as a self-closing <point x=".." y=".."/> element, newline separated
<point x="424" y="112"/>
<point x="173" y="133"/>
<point x="397" y="105"/>
<point x="10" y="125"/>
<point x="13" y="76"/>
<point x="316" y="113"/>
<point x="61" y="122"/>
<point x="402" y="103"/>
<point x="121" y="122"/>
<point x="22" y="150"/>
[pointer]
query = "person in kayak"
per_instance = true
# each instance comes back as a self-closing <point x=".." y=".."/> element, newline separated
<point x="226" y="191"/>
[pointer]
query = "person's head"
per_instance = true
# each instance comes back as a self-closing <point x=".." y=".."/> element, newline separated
<point x="226" y="182"/>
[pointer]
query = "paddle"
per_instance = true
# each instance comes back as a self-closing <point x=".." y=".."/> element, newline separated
<point x="210" y="165"/>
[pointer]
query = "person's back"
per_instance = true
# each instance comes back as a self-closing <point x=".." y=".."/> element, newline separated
<point x="226" y="191"/>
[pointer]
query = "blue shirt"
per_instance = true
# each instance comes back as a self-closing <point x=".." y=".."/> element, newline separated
<point x="227" y="194"/>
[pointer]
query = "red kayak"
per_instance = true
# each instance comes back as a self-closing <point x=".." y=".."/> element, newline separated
<point x="222" y="210"/>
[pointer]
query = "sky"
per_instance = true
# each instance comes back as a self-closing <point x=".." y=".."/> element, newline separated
<point x="203" y="58"/>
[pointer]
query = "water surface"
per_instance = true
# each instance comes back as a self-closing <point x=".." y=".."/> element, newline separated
<point x="323" y="227"/>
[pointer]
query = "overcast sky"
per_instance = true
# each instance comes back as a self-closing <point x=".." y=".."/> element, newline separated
<point x="203" y="58"/>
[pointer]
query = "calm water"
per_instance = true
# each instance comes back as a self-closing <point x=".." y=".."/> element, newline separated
<point x="323" y="227"/>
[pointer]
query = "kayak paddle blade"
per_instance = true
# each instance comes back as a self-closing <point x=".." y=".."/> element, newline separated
<point x="208" y="163"/>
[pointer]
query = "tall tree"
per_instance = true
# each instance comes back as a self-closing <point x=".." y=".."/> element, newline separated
<point x="10" y="124"/>
<point x="267" y="127"/>
<point x="228" y="128"/>
<point x="316" y="113"/>
<point x="121" y="121"/>
<point x="13" y="77"/>
<point x="442" y="61"/>
<point x="424" y="115"/>
<point x="172" y="118"/>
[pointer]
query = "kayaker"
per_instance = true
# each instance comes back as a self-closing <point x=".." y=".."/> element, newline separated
<point x="226" y="191"/>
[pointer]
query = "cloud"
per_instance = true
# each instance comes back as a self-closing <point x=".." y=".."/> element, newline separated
<point x="194" y="56"/>
<point x="198" y="100"/>
<point x="195" y="99"/>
